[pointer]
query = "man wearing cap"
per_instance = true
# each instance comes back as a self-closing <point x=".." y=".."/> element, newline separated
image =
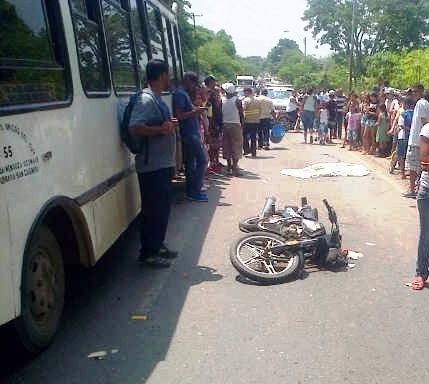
<point x="232" y="144"/>
<point x="267" y="114"/>
<point x="252" y="113"/>
<point x="194" y="156"/>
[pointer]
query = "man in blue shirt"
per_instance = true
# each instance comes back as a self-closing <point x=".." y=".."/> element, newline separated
<point x="151" y="120"/>
<point x="195" y="159"/>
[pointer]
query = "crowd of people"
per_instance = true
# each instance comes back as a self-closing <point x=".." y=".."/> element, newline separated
<point x="379" y="123"/>
<point x="207" y="120"/>
<point x="383" y="122"/>
<point x="207" y="117"/>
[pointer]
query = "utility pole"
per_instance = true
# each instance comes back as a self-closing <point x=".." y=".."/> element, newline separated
<point x="305" y="50"/>
<point x="304" y="40"/>
<point x="197" y="62"/>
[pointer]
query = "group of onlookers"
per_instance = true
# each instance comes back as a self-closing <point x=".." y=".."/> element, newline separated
<point x="387" y="123"/>
<point x="206" y="120"/>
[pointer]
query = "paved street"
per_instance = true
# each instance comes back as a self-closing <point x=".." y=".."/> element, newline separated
<point x="199" y="322"/>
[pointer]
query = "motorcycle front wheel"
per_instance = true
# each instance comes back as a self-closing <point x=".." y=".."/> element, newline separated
<point x="251" y="256"/>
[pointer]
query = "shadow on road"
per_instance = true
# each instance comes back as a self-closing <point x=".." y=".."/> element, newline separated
<point x="103" y="302"/>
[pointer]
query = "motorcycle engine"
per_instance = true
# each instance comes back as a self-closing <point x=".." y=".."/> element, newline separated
<point x="292" y="231"/>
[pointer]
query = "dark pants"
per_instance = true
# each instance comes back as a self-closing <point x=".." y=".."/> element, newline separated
<point x="195" y="161"/>
<point x="249" y="133"/>
<point x="423" y="247"/>
<point x="264" y="132"/>
<point x="155" y="193"/>
<point x="340" y="123"/>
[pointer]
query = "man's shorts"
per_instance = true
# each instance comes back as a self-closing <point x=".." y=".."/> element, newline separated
<point x="401" y="148"/>
<point x="412" y="159"/>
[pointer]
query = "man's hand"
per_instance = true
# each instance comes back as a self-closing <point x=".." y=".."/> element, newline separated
<point x="168" y="127"/>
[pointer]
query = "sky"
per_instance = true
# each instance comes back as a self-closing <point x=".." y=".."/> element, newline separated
<point x="256" y="26"/>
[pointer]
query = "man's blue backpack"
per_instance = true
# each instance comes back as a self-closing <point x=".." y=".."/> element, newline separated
<point x="134" y="143"/>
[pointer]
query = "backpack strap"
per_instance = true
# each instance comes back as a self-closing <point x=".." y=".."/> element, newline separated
<point x="164" y="116"/>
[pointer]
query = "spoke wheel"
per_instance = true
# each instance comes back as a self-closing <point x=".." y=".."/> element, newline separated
<point x="252" y="257"/>
<point x="42" y="291"/>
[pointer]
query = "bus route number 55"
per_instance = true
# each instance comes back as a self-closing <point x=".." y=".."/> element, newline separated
<point x="7" y="152"/>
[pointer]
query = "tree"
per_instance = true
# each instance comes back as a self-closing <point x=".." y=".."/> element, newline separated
<point x="379" y="25"/>
<point x="275" y="57"/>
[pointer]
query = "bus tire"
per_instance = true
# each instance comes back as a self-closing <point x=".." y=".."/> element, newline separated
<point x="42" y="291"/>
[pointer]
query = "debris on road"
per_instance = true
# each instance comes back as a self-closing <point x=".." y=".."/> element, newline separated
<point x="99" y="355"/>
<point x="139" y="317"/>
<point x="355" y="255"/>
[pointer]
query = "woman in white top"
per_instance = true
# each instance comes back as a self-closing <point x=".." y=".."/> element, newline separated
<point x="308" y="113"/>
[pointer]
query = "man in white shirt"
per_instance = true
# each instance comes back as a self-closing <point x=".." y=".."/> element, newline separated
<point x="420" y="118"/>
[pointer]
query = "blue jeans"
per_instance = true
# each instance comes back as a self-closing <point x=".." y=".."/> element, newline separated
<point x="264" y="132"/>
<point x="155" y="194"/>
<point x="340" y="123"/>
<point x="195" y="161"/>
<point x="249" y="133"/>
<point x="422" y="265"/>
<point x="307" y="119"/>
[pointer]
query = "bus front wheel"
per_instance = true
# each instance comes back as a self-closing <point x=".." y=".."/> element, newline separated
<point x="42" y="291"/>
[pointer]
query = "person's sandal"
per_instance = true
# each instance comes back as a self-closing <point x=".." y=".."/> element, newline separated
<point x="418" y="283"/>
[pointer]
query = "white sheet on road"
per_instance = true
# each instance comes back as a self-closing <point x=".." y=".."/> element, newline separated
<point x="327" y="170"/>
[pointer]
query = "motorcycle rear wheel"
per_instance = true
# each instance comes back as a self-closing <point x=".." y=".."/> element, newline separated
<point x="250" y="255"/>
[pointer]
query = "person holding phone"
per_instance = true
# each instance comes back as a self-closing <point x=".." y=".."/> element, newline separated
<point x="151" y="119"/>
<point x="195" y="158"/>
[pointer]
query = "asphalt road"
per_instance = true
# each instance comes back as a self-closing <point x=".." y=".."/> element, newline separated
<point x="199" y="322"/>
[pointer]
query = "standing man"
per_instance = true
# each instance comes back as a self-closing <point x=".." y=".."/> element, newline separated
<point x="331" y="107"/>
<point x="151" y="119"/>
<point x="267" y="114"/>
<point x="195" y="159"/>
<point x="340" y="99"/>
<point x="252" y="113"/>
<point x="232" y="145"/>
<point x="412" y="158"/>
<point x="214" y="101"/>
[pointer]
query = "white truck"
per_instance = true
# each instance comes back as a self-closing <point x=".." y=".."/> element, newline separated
<point x="245" y="81"/>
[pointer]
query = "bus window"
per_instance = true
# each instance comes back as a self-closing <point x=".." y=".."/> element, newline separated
<point x="155" y="32"/>
<point x="169" y="50"/>
<point x="119" y="46"/>
<point x="178" y="52"/>
<point x="32" y="65"/>
<point x="139" y="41"/>
<point x="92" y="58"/>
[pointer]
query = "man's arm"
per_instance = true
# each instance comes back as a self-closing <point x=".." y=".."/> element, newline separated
<point x="424" y="153"/>
<point x="144" y="130"/>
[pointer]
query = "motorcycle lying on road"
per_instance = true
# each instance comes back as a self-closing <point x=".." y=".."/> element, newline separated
<point x="285" y="120"/>
<point x="278" y="243"/>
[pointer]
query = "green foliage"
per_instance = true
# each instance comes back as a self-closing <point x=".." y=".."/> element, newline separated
<point x="379" y="26"/>
<point x="385" y="46"/>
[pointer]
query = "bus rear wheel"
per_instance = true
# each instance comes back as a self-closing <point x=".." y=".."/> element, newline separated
<point x="42" y="291"/>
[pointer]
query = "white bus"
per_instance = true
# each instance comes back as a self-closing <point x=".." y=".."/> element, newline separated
<point x="68" y="186"/>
